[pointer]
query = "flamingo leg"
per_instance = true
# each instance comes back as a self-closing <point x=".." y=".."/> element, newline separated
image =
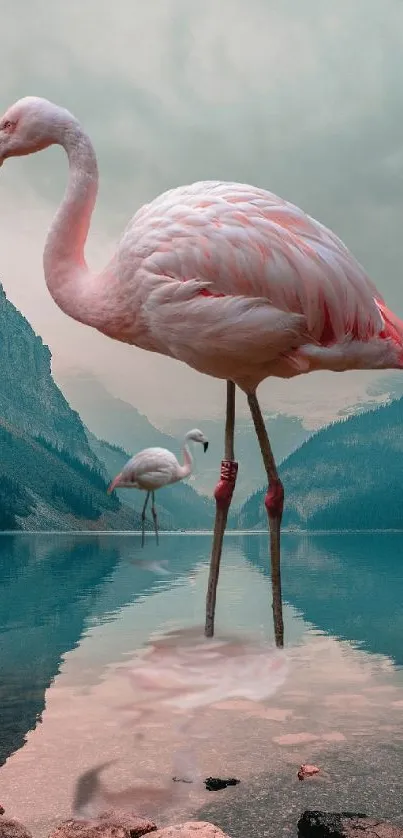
<point x="274" y="502"/>
<point x="223" y="496"/>
<point x="143" y="519"/>
<point x="154" y="514"/>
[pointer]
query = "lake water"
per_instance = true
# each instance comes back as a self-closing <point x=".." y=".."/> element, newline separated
<point x="103" y="663"/>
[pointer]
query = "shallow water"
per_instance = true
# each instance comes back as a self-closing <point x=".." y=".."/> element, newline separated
<point x="108" y="688"/>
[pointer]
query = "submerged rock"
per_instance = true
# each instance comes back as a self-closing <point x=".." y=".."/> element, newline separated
<point x="345" y="825"/>
<point x="9" y="828"/>
<point x="216" y="784"/>
<point x="113" y="824"/>
<point x="191" y="829"/>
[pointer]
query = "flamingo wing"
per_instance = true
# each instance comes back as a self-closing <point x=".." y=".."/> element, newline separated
<point x="151" y="468"/>
<point x="243" y="242"/>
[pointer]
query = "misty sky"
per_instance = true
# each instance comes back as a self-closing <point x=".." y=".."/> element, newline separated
<point x="305" y="99"/>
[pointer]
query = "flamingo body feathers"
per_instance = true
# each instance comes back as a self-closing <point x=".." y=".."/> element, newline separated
<point x="241" y="284"/>
<point x="150" y="469"/>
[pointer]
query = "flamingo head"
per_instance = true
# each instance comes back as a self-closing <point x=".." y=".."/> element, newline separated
<point x="30" y="125"/>
<point x="197" y="436"/>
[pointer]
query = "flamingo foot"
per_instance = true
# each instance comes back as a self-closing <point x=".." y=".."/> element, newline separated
<point x="223" y="496"/>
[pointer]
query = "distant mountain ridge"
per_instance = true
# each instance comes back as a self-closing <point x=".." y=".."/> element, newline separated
<point x="347" y="476"/>
<point x="29" y="398"/>
<point x="110" y="418"/>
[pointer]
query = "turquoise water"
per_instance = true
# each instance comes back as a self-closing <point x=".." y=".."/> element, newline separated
<point x="79" y="614"/>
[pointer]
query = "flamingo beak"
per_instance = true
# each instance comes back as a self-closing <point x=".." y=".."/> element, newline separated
<point x="113" y="484"/>
<point x="205" y="446"/>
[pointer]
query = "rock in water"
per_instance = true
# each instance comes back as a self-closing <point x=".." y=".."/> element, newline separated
<point x="216" y="784"/>
<point x="307" y="770"/>
<point x="10" y="828"/>
<point x="108" y="825"/>
<point x="345" y="825"/>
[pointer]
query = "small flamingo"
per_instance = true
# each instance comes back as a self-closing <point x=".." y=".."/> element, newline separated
<point x="153" y="468"/>
<point x="226" y="277"/>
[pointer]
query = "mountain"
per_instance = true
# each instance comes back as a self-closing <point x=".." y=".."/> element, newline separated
<point x="50" y="477"/>
<point x="347" y="476"/>
<point x="121" y="424"/>
<point x="30" y="401"/>
<point x="44" y="487"/>
<point x="109" y="418"/>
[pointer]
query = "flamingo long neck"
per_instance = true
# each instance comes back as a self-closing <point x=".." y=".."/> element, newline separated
<point x="187" y="467"/>
<point x="67" y="277"/>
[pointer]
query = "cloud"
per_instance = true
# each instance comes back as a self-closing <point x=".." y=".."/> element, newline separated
<point x="304" y="99"/>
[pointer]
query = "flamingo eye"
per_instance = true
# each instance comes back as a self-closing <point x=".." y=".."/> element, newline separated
<point x="7" y="125"/>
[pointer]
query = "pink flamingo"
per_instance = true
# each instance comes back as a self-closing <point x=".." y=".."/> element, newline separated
<point x="153" y="468"/>
<point x="228" y="278"/>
